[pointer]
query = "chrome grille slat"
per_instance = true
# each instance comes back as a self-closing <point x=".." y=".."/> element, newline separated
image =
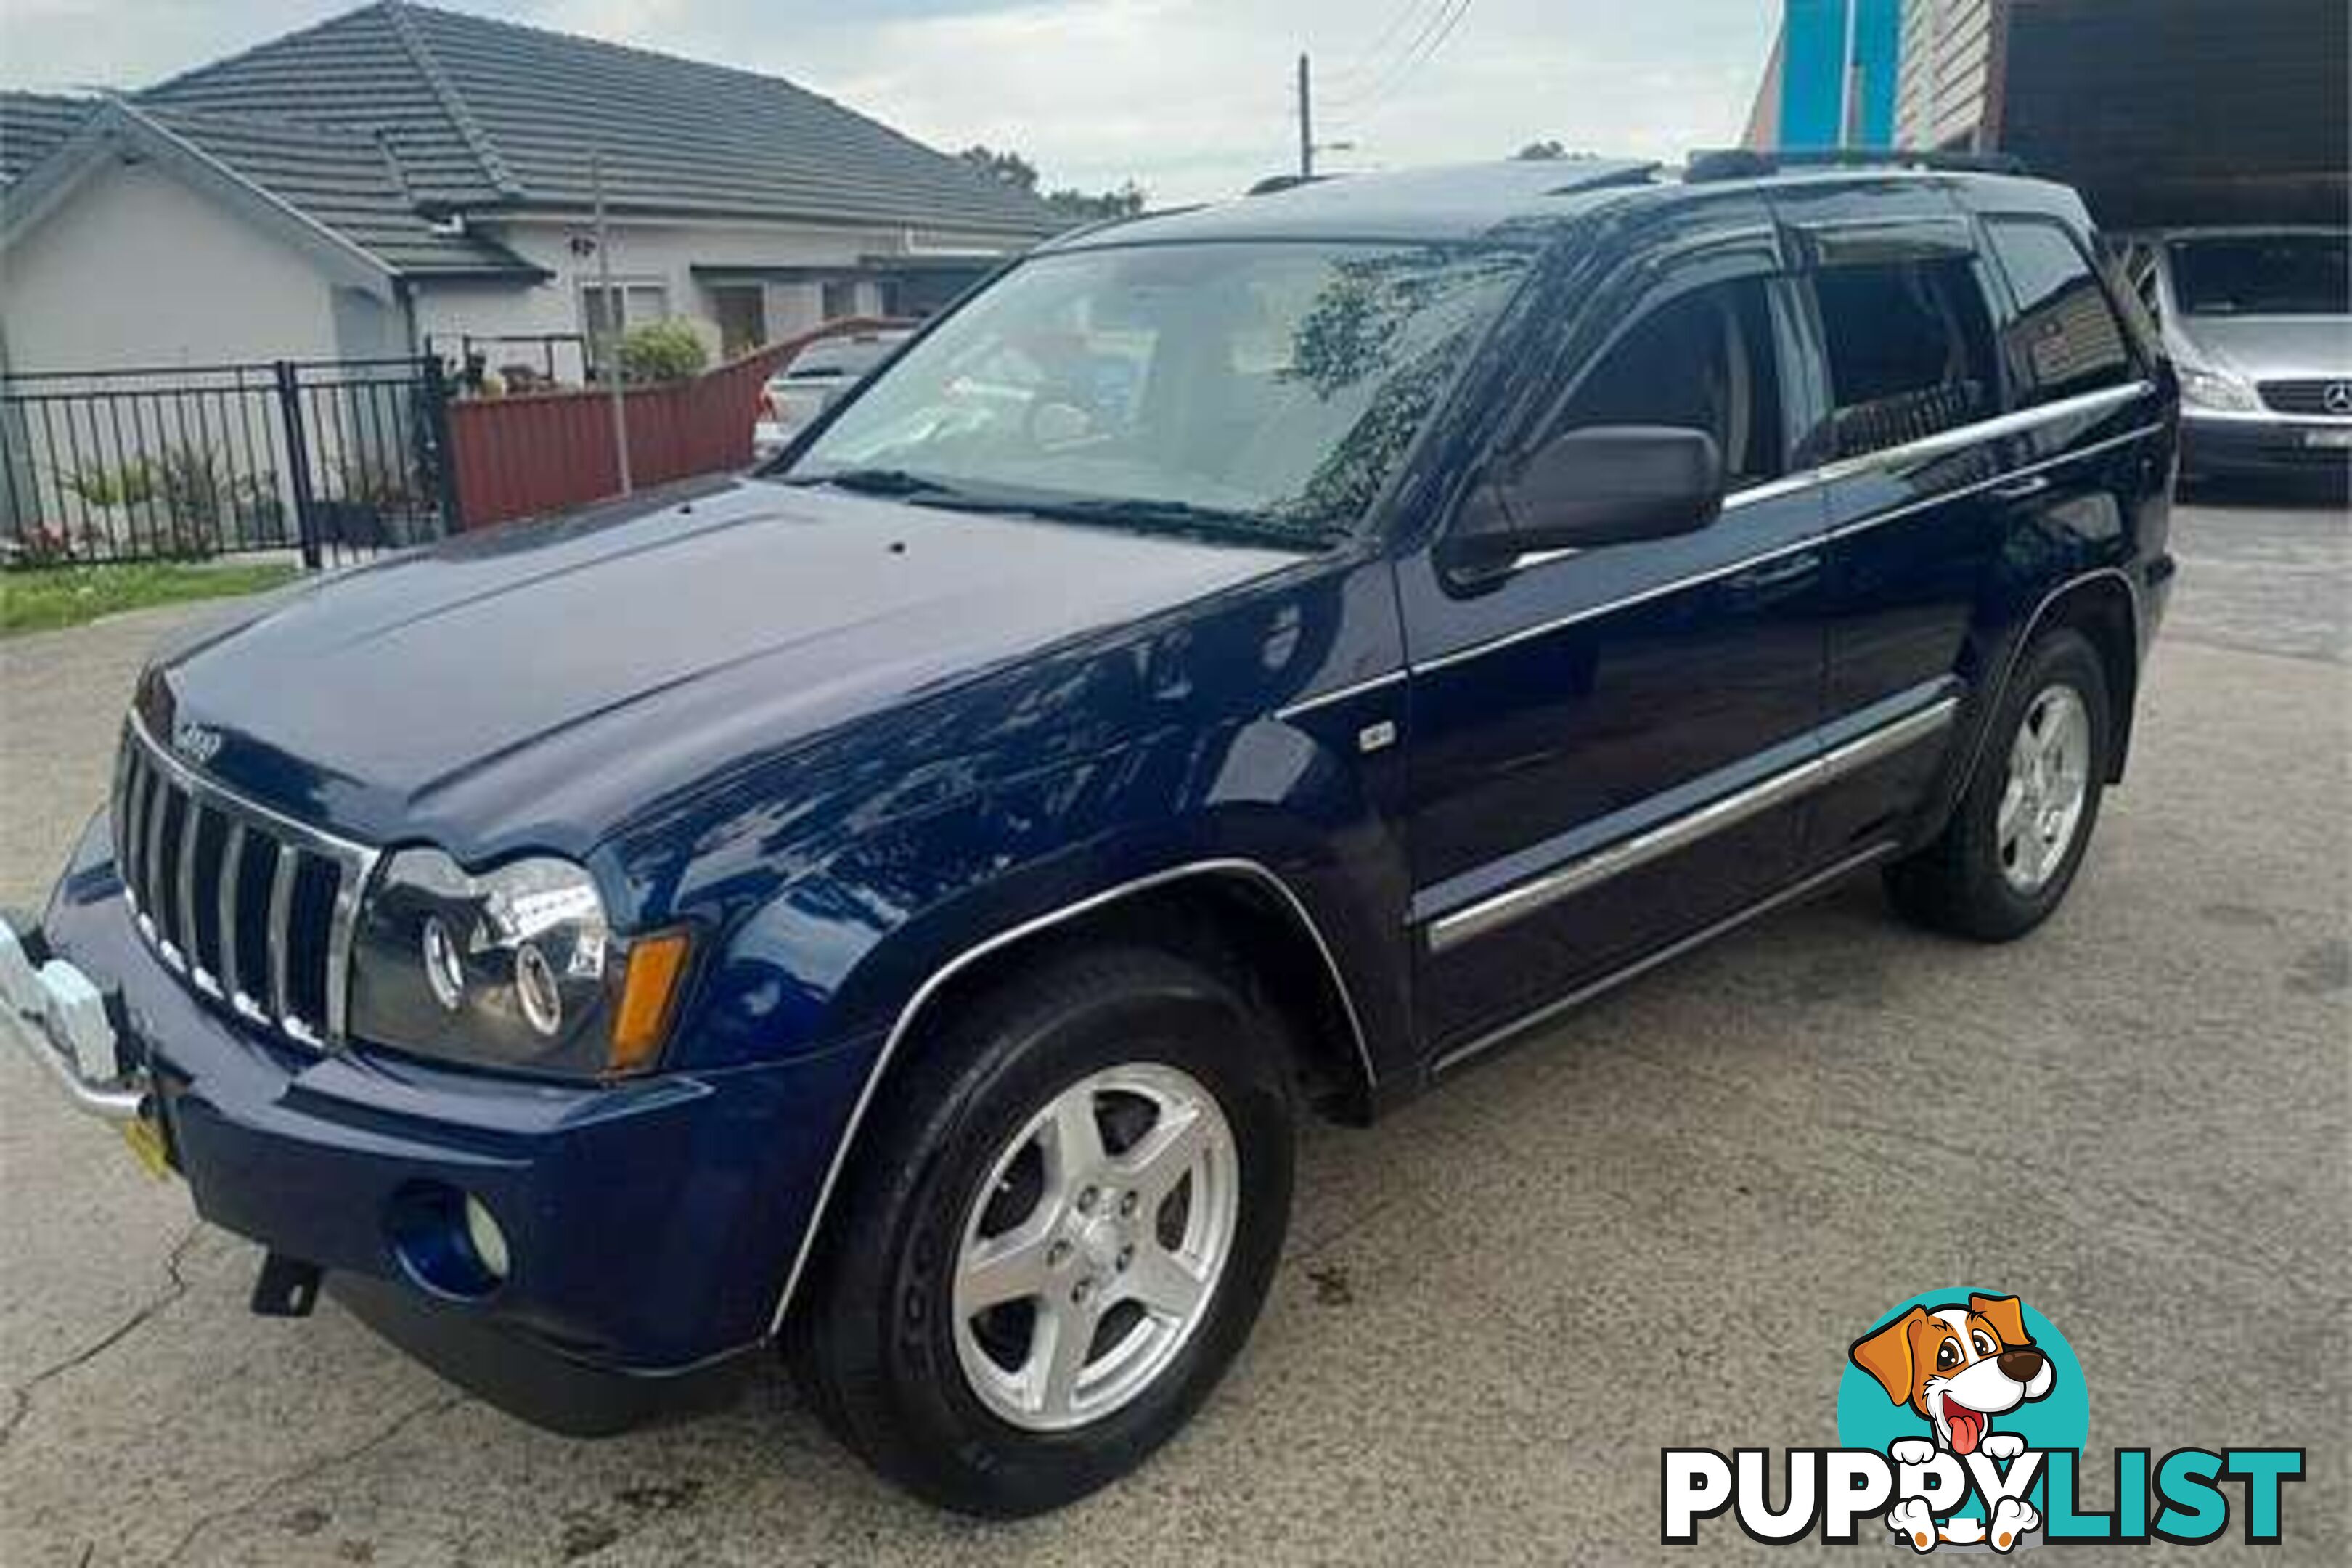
<point x="339" y="949"/>
<point x="232" y="871"/>
<point x="2307" y="395"/>
<point x="281" y="934"/>
<point x="192" y="832"/>
<point x="159" y="811"/>
<point x="142" y="816"/>
<point x="302" y="875"/>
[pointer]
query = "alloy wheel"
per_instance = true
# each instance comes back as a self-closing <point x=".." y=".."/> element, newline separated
<point x="2049" y="782"/>
<point x="1093" y="1249"/>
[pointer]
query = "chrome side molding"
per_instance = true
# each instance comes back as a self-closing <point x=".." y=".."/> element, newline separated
<point x="1589" y="871"/>
<point x="1924" y="449"/>
<point x="1462" y="1054"/>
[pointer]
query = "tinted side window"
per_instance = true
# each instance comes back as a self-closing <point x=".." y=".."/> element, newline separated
<point x="2066" y="338"/>
<point x="1703" y="361"/>
<point x="1910" y="347"/>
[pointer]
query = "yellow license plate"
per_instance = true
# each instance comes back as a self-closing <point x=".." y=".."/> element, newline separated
<point x="146" y="1140"/>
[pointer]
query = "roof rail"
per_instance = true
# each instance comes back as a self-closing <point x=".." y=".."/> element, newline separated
<point x="1708" y="164"/>
<point x="1274" y="184"/>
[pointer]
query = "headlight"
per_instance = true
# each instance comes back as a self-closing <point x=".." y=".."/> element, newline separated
<point x="513" y="968"/>
<point x="2218" y="390"/>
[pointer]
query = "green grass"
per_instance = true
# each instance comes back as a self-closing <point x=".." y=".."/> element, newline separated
<point x="42" y="598"/>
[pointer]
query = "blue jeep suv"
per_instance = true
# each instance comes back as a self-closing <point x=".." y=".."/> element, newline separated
<point x="1241" y="662"/>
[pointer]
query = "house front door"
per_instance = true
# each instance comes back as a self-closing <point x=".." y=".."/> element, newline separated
<point x="743" y="318"/>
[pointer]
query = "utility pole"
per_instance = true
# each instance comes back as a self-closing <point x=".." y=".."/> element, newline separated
<point x="611" y="326"/>
<point x="1306" y="121"/>
<point x="1846" y="81"/>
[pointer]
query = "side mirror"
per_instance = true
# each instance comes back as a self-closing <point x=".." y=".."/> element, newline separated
<point x="1611" y="484"/>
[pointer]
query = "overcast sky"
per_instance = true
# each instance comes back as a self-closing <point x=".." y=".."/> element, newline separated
<point x="1190" y="98"/>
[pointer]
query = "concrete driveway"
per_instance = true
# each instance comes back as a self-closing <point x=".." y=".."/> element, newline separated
<point x="1661" y="1227"/>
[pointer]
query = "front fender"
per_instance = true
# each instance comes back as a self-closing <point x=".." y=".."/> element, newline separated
<point x="841" y="953"/>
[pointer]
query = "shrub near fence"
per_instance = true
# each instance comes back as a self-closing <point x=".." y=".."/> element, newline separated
<point x="526" y="455"/>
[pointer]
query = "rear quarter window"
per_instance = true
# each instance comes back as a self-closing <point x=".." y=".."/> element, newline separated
<point x="2066" y="338"/>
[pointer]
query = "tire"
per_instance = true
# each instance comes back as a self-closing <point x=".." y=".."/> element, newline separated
<point x="1978" y="882"/>
<point x="878" y="1344"/>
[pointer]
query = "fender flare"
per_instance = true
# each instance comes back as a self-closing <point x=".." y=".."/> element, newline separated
<point x="911" y="1012"/>
<point x="1997" y="691"/>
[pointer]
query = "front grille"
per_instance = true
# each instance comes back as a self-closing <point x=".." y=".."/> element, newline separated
<point x="2307" y="396"/>
<point x="252" y="910"/>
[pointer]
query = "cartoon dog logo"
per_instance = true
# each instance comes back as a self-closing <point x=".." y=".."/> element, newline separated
<point x="1958" y="1367"/>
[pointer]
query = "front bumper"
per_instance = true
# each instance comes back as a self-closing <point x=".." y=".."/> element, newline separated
<point x="2262" y="444"/>
<point x="649" y="1223"/>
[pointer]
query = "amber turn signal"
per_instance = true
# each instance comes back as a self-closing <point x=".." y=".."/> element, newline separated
<point x="648" y="993"/>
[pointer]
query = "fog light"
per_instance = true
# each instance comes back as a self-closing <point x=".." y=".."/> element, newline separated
<point x="448" y="1240"/>
<point x="489" y="1243"/>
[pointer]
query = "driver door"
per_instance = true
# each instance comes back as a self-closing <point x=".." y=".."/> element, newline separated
<point x="1603" y="742"/>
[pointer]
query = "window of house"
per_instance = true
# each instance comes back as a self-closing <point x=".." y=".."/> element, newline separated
<point x="1910" y="350"/>
<point x="2065" y="339"/>
<point x="604" y="312"/>
<point x="840" y="298"/>
<point x="1703" y="361"/>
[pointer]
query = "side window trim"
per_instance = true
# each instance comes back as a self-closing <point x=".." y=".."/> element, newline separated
<point x="1731" y="259"/>
<point x="1752" y="253"/>
<point x="1880" y="241"/>
<point x="1819" y="455"/>
<point x="1810" y="466"/>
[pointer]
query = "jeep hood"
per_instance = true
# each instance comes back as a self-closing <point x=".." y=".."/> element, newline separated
<point x="534" y="685"/>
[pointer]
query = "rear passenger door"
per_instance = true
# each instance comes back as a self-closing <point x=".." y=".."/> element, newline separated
<point x="1906" y="442"/>
<point x="1980" y="432"/>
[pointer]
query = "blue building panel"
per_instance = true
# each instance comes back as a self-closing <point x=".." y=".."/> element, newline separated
<point x="1811" y="80"/>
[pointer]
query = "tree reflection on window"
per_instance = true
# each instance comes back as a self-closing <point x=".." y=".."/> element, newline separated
<point x="1401" y="321"/>
<point x="1276" y="384"/>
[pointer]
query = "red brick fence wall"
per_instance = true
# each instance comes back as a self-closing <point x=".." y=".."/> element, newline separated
<point x="541" y="452"/>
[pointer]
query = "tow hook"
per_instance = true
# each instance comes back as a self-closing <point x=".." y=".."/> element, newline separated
<point x="287" y="1288"/>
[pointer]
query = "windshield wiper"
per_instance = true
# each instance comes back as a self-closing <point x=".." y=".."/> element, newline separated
<point x="875" y="482"/>
<point x="1185" y="517"/>
<point x="1112" y="511"/>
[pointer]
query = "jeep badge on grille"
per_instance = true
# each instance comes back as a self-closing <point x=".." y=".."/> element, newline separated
<point x="196" y="742"/>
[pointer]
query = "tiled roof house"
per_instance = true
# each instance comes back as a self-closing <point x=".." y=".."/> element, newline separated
<point x="400" y="174"/>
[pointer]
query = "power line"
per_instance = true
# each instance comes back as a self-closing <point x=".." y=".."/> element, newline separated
<point x="1367" y="64"/>
<point x="1402" y="66"/>
<point x="1432" y="38"/>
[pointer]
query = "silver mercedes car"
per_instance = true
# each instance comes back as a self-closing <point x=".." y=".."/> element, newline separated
<point x="2259" y="323"/>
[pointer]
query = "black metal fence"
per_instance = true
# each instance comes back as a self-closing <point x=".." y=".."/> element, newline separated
<point x="333" y="458"/>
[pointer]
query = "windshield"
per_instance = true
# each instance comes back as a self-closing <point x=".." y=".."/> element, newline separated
<point x="1268" y="388"/>
<point x="2263" y="275"/>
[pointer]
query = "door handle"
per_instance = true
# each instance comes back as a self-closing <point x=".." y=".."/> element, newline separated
<point x="1773" y="573"/>
<point x="2022" y="489"/>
